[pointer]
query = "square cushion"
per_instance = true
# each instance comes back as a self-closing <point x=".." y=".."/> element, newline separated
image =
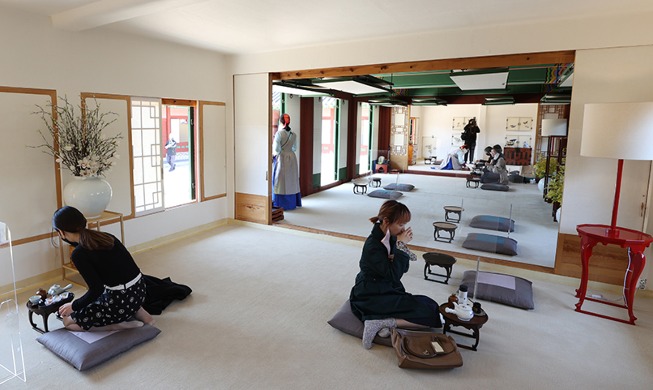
<point x="491" y="243"/>
<point x="385" y="194"/>
<point x="492" y="222"/>
<point x="84" y="350"/>
<point x="345" y="321"/>
<point x="400" y="187"/>
<point x="500" y="288"/>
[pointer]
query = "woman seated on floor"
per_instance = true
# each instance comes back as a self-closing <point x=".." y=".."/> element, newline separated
<point x="378" y="297"/>
<point x="455" y="159"/>
<point x="496" y="171"/>
<point x="116" y="290"/>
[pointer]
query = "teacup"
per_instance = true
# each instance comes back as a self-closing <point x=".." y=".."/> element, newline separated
<point x="35" y="299"/>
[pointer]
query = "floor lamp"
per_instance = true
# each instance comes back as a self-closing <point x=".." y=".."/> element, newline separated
<point x="621" y="131"/>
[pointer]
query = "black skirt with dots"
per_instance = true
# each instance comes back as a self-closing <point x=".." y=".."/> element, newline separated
<point x="112" y="307"/>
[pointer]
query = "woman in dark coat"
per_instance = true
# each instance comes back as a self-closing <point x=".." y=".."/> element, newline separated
<point x="378" y="297"/>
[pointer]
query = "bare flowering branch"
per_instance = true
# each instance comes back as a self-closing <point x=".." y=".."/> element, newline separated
<point x="76" y="140"/>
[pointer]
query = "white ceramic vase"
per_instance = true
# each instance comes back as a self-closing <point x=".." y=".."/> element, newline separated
<point x="90" y="195"/>
<point x="540" y="185"/>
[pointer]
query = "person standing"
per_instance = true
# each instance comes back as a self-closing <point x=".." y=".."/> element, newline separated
<point x="116" y="289"/>
<point x="285" y="170"/>
<point x="378" y="297"/>
<point x="171" y="152"/>
<point x="469" y="137"/>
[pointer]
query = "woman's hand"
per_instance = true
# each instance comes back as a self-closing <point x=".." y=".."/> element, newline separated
<point x="406" y="235"/>
<point x="66" y="309"/>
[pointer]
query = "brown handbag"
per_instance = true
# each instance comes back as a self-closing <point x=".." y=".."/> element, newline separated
<point x="427" y="350"/>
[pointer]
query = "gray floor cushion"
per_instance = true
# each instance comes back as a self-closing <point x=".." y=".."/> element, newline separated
<point x="96" y="347"/>
<point x="492" y="222"/>
<point x="495" y="187"/>
<point x="345" y="321"/>
<point x="491" y="243"/>
<point x="400" y="187"/>
<point x="500" y="288"/>
<point x="385" y="194"/>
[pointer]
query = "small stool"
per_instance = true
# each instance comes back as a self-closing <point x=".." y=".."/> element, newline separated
<point x="45" y="311"/>
<point x="447" y="227"/>
<point x="441" y="260"/>
<point x="473" y="181"/>
<point x="376" y="182"/>
<point x="360" y="187"/>
<point x="453" y="210"/>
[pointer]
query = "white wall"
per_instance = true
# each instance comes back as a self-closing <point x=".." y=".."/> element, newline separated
<point x="38" y="56"/>
<point x="436" y="122"/>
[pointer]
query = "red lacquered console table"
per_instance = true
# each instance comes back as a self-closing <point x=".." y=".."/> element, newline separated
<point x="635" y="241"/>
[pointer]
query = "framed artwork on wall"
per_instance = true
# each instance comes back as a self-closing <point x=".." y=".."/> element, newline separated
<point x="515" y="123"/>
<point x="459" y="122"/>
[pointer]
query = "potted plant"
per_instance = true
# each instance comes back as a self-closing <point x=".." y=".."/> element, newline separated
<point x="539" y="168"/>
<point x="75" y="138"/>
<point x="555" y="189"/>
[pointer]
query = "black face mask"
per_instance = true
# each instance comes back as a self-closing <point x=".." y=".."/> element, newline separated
<point x="68" y="242"/>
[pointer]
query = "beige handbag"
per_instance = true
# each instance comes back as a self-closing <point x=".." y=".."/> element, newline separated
<point x="426" y="350"/>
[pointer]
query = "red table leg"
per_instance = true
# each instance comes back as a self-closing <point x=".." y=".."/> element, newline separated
<point x="586" y="246"/>
<point x="636" y="263"/>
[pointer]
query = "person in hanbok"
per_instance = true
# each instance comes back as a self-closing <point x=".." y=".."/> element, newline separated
<point x="455" y="159"/>
<point x="285" y="170"/>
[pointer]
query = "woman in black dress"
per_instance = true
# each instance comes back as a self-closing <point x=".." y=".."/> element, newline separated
<point x="116" y="290"/>
<point x="378" y="297"/>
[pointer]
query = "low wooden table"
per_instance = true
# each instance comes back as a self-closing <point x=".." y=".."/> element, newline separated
<point x="45" y="311"/>
<point x="474" y="324"/>
<point x="473" y="181"/>
<point x="376" y="182"/>
<point x="441" y="260"/>
<point x="447" y="227"/>
<point x="453" y="210"/>
<point x="360" y="187"/>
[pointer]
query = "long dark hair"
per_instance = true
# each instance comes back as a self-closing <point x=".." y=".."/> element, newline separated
<point x="394" y="211"/>
<point x="69" y="219"/>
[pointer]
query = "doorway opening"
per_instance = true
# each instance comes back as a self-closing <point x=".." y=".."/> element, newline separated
<point x="177" y="140"/>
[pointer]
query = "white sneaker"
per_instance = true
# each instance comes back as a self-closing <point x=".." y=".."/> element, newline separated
<point x="384" y="333"/>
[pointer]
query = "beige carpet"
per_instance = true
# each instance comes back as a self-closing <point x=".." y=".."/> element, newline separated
<point x="257" y="320"/>
<point x="340" y="210"/>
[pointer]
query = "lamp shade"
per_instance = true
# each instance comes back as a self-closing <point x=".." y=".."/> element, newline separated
<point x="554" y="127"/>
<point x="618" y="130"/>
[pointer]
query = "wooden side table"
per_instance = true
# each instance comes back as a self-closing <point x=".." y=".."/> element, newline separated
<point x="441" y="260"/>
<point x="457" y="210"/>
<point x="360" y="186"/>
<point x="446" y="227"/>
<point x="635" y="241"/>
<point x="45" y="311"/>
<point x="474" y="324"/>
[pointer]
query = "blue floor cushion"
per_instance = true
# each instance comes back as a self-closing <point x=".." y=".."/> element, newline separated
<point x="400" y="187"/>
<point x="495" y="187"/>
<point x="84" y="350"/>
<point x="492" y="222"/>
<point x="385" y="194"/>
<point x="491" y="243"/>
<point x="500" y="288"/>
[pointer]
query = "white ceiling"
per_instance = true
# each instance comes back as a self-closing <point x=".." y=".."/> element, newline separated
<point x="251" y="26"/>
